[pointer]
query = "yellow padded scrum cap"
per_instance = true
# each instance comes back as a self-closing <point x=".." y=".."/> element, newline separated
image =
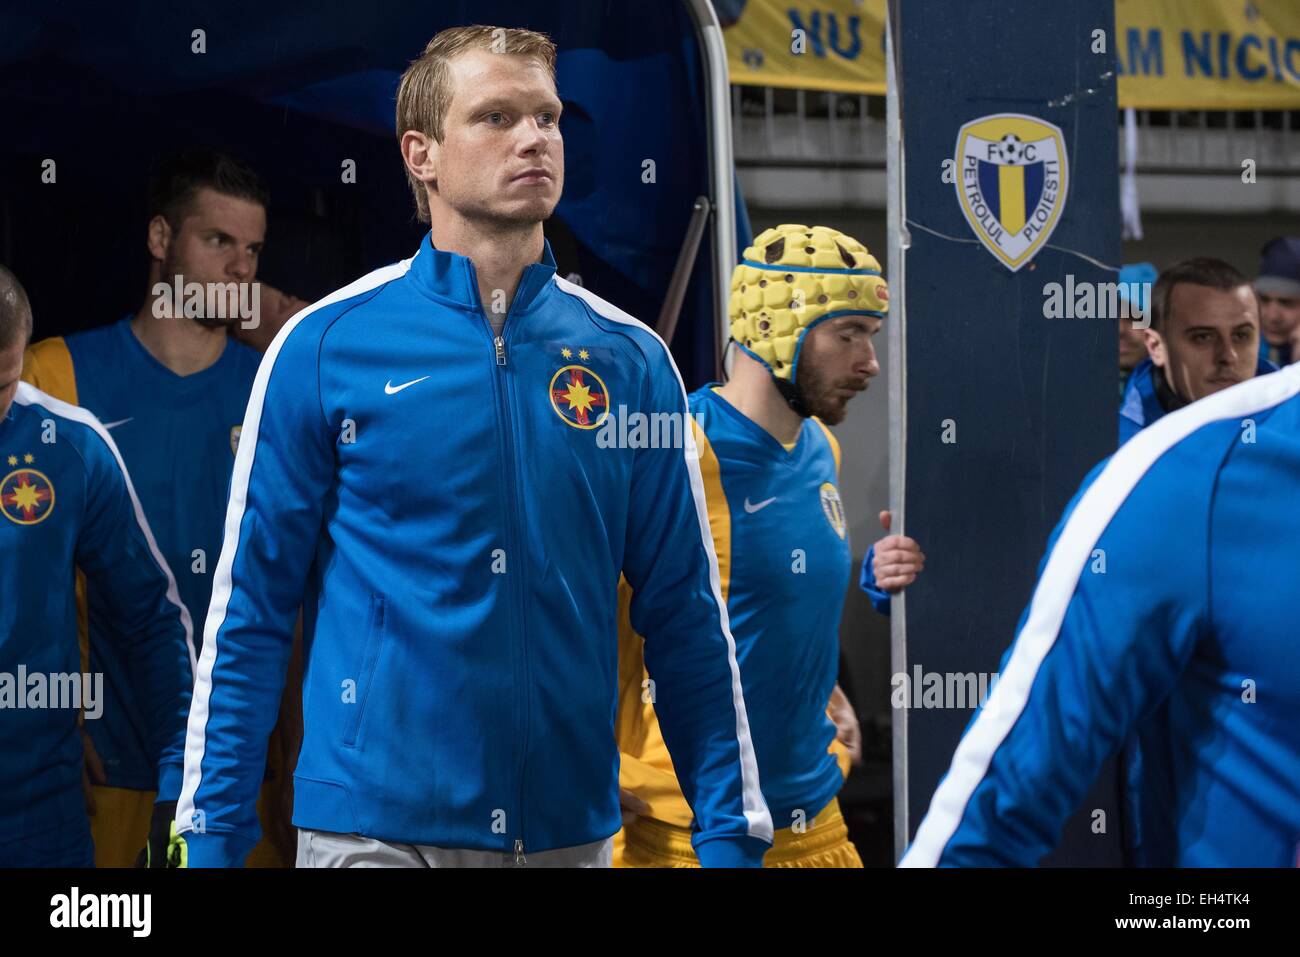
<point x="793" y="277"/>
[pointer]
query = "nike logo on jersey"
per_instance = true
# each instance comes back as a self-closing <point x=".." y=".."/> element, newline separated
<point x="751" y="509"/>
<point x="113" y="425"/>
<point x="394" y="389"/>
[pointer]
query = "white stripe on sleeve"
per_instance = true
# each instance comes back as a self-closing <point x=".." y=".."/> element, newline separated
<point x="30" y="395"/>
<point x="196" y="736"/>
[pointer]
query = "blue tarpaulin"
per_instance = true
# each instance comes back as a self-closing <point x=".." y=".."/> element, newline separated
<point x="297" y="88"/>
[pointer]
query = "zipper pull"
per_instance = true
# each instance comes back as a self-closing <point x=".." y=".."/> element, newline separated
<point x="520" y="860"/>
<point x="501" y="350"/>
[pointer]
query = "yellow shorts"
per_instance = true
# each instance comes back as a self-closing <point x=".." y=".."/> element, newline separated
<point x="120" y="825"/>
<point x="645" y="842"/>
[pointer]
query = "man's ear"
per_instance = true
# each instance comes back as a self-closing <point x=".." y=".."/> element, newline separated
<point x="421" y="153"/>
<point x="159" y="237"/>
<point x="1155" y="347"/>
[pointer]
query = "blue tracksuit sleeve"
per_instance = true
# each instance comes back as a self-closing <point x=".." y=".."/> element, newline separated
<point x="689" y="651"/>
<point x="1110" y="628"/>
<point x="283" y="472"/>
<point x="119" y="556"/>
<point x="867" y="582"/>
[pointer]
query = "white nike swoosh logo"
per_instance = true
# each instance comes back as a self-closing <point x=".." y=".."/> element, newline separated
<point x="394" y="389"/>
<point x="751" y="509"/>
<point x="113" y="425"/>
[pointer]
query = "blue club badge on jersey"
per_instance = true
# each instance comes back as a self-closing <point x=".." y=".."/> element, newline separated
<point x="1012" y="179"/>
<point x="26" y="495"/>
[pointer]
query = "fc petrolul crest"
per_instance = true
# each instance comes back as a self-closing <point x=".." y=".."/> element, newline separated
<point x="833" y="508"/>
<point x="1012" y="179"/>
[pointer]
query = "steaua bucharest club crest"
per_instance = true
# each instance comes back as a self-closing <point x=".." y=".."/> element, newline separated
<point x="26" y="495"/>
<point x="579" y="397"/>
<point x="833" y="508"/>
<point x="1012" y="180"/>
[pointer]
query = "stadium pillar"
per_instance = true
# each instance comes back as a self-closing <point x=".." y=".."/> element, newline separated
<point x="999" y="411"/>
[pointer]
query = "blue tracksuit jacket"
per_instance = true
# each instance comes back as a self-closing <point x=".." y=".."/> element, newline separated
<point x="449" y="509"/>
<point x="1165" y="608"/>
<point x="1141" y="406"/>
<point x="66" y="501"/>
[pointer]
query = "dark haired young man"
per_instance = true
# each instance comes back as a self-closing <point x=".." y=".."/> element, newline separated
<point x="170" y="384"/>
<point x="1204" y="337"/>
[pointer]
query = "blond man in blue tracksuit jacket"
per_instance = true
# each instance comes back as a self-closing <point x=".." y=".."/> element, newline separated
<point x="422" y="469"/>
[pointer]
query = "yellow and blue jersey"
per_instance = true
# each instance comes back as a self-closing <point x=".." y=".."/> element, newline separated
<point x="781" y="538"/>
<point x="177" y="435"/>
<point x="66" y="500"/>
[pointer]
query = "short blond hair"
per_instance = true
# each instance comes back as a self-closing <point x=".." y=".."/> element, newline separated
<point x="424" y="94"/>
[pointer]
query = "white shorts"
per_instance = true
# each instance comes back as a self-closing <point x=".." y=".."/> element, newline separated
<point x="327" y="849"/>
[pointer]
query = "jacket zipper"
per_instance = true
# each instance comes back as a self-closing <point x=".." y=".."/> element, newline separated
<point x="514" y="554"/>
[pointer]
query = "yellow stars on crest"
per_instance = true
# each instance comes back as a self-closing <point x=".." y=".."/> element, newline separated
<point x="579" y="397"/>
<point x="13" y="460"/>
<point x="566" y="352"/>
<point x="28" y="459"/>
<point x="584" y="355"/>
<point x="26" y="497"/>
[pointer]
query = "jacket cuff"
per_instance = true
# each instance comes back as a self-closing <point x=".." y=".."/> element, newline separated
<point x="867" y="582"/>
<point x="209" y="849"/>
<point x="731" y="852"/>
<point x="169" y="781"/>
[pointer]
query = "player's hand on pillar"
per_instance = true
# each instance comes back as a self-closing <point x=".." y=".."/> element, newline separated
<point x="898" y="560"/>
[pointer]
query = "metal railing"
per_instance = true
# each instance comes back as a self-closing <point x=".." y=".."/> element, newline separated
<point x="1215" y="141"/>
<point x="772" y="126"/>
<point x="780" y="127"/>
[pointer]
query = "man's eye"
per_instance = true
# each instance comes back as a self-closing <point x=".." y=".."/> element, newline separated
<point x="547" y="118"/>
<point x="496" y="117"/>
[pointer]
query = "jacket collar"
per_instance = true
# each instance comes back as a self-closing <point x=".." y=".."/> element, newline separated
<point x="1148" y="396"/>
<point x="450" y="277"/>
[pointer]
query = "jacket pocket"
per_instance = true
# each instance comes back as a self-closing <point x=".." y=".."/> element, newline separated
<point x="369" y="663"/>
